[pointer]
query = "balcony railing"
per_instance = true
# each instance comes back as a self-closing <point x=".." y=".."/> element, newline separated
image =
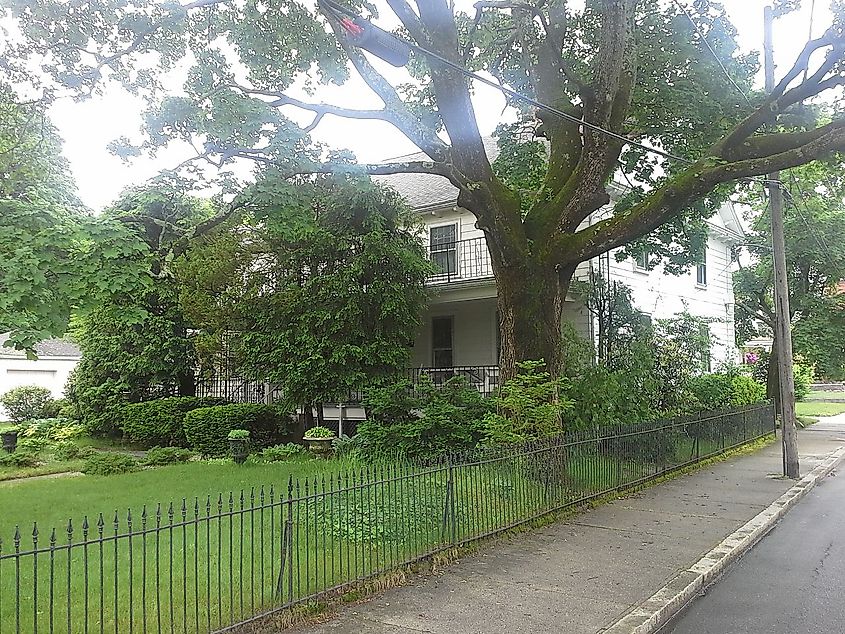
<point x="460" y="261"/>
<point x="484" y="378"/>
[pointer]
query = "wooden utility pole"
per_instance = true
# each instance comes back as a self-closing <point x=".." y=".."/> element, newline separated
<point x="783" y="334"/>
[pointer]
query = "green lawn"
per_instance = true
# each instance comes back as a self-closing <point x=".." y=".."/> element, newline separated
<point x="223" y="559"/>
<point x="52" y="502"/>
<point x="58" y="466"/>
<point x="808" y="408"/>
<point x="827" y="395"/>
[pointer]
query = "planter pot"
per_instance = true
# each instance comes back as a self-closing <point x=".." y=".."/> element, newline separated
<point x="320" y="446"/>
<point x="10" y="440"/>
<point x="239" y="448"/>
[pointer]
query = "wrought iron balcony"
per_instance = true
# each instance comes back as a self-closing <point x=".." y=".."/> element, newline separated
<point x="484" y="378"/>
<point x="460" y="260"/>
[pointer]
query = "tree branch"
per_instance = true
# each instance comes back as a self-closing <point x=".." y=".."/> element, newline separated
<point x="764" y="145"/>
<point x="397" y="110"/>
<point x="319" y="109"/>
<point x="780" y="99"/>
<point x="691" y="185"/>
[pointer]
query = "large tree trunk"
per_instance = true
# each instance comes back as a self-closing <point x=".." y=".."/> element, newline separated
<point x="530" y="303"/>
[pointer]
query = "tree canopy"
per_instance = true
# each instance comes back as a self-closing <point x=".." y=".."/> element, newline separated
<point x="323" y="292"/>
<point x="626" y="77"/>
<point x="56" y="257"/>
<point x="816" y="267"/>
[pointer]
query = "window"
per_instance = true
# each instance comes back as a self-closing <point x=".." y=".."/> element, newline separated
<point x="701" y="273"/>
<point x="443" y="249"/>
<point x="641" y="261"/>
<point x="441" y="342"/>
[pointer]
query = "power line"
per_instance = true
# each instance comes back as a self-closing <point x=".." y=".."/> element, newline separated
<point x="712" y="51"/>
<point x="818" y="238"/>
<point x="337" y="9"/>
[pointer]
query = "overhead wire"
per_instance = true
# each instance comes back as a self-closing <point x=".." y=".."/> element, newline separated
<point x="817" y="237"/>
<point x="336" y="9"/>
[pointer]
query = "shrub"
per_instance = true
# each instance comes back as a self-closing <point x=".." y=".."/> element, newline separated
<point x="238" y="434"/>
<point x="711" y="391"/>
<point x="109" y="463"/>
<point x="161" y="422"/>
<point x="348" y="447"/>
<point x="27" y="402"/>
<point x="746" y="391"/>
<point x="69" y="450"/>
<point x="804" y="376"/>
<point x="19" y="459"/>
<point x="207" y="428"/>
<point x="425" y="424"/>
<point x="159" y="456"/>
<point x="530" y="406"/>
<point x="278" y="453"/>
<point x="52" y="429"/>
<point x="319" y="432"/>
<point x="33" y="444"/>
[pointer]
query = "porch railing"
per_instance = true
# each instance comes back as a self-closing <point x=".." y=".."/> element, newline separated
<point x="460" y="261"/>
<point x="484" y="378"/>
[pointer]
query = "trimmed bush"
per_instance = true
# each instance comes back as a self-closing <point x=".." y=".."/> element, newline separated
<point x="746" y="391"/>
<point x="423" y="421"/>
<point x="207" y="428"/>
<point x="161" y="422"/>
<point x="711" y="391"/>
<point x="724" y="389"/>
<point x="27" y="402"/>
<point x="109" y="463"/>
<point x="160" y="456"/>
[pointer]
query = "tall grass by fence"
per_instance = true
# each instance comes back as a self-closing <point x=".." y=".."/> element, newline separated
<point x="214" y="564"/>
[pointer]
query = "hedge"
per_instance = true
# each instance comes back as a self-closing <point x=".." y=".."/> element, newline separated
<point x="207" y="428"/>
<point x="722" y="390"/>
<point x="160" y="422"/>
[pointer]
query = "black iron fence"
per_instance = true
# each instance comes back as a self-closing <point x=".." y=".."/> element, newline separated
<point x="460" y="260"/>
<point x="215" y="563"/>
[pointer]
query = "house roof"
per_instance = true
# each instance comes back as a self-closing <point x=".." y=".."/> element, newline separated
<point x="430" y="191"/>
<point x="49" y="348"/>
<point x="426" y="191"/>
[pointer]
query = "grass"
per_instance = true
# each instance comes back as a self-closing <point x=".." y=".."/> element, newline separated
<point x="824" y="396"/>
<point x="49" y="468"/>
<point x="222" y="564"/>
<point x="817" y="408"/>
<point x="51" y="503"/>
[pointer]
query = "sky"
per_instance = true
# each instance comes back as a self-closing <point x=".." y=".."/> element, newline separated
<point x="88" y="127"/>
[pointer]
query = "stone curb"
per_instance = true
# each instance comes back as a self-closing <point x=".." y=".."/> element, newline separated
<point x="653" y="613"/>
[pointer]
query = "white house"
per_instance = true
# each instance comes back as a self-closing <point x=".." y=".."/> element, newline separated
<point x="459" y="334"/>
<point x="56" y="359"/>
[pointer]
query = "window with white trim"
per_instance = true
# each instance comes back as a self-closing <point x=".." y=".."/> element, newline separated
<point x="641" y="261"/>
<point x="701" y="272"/>
<point x="443" y="248"/>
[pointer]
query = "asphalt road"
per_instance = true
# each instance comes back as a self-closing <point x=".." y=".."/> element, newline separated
<point x="792" y="582"/>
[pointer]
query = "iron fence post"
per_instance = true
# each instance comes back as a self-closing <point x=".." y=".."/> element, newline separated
<point x="448" y="529"/>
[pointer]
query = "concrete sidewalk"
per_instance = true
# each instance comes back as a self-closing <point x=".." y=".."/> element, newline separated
<point x="581" y="575"/>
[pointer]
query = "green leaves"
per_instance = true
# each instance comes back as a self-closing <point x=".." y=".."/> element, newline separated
<point x="334" y="287"/>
